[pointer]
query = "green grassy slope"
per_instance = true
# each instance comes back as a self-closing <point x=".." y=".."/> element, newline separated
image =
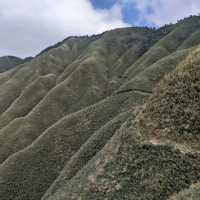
<point x="128" y="168"/>
<point x="141" y="161"/>
<point x="174" y="108"/>
<point x="182" y="36"/>
<point x="55" y="146"/>
<point x="69" y="122"/>
<point x="29" y="97"/>
<point x="88" y="83"/>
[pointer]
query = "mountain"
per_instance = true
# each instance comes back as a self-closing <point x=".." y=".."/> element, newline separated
<point x="112" y="116"/>
<point x="9" y="62"/>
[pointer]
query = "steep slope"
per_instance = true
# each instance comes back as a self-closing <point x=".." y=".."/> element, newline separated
<point x="173" y="111"/>
<point x="130" y="169"/>
<point x="71" y="125"/>
<point x="141" y="162"/>
<point x="87" y="83"/>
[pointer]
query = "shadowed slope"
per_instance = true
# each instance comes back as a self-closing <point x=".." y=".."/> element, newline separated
<point x="9" y="62"/>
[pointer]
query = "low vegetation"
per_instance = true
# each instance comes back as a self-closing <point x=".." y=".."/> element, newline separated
<point x="111" y="116"/>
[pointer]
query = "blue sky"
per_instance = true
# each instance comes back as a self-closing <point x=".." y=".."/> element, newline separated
<point x="129" y="11"/>
<point x="152" y="13"/>
<point x="103" y="4"/>
<point x="30" y="26"/>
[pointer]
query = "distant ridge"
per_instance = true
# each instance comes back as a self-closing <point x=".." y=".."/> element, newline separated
<point x="9" y="62"/>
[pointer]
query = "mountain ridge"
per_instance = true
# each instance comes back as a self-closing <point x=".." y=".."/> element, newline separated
<point x="72" y="119"/>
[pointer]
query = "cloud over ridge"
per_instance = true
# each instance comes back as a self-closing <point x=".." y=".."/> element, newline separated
<point x="160" y="12"/>
<point x="32" y="25"/>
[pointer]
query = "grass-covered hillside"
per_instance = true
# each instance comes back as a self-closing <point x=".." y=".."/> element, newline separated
<point x="173" y="110"/>
<point x="113" y="116"/>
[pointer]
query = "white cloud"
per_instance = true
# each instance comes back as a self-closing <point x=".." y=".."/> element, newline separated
<point x="28" y="26"/>
<point x="31" y="25"/>
<point x="165" y="11"/>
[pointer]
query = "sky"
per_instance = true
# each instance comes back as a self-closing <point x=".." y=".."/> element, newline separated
<point x="29" y="26"/>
